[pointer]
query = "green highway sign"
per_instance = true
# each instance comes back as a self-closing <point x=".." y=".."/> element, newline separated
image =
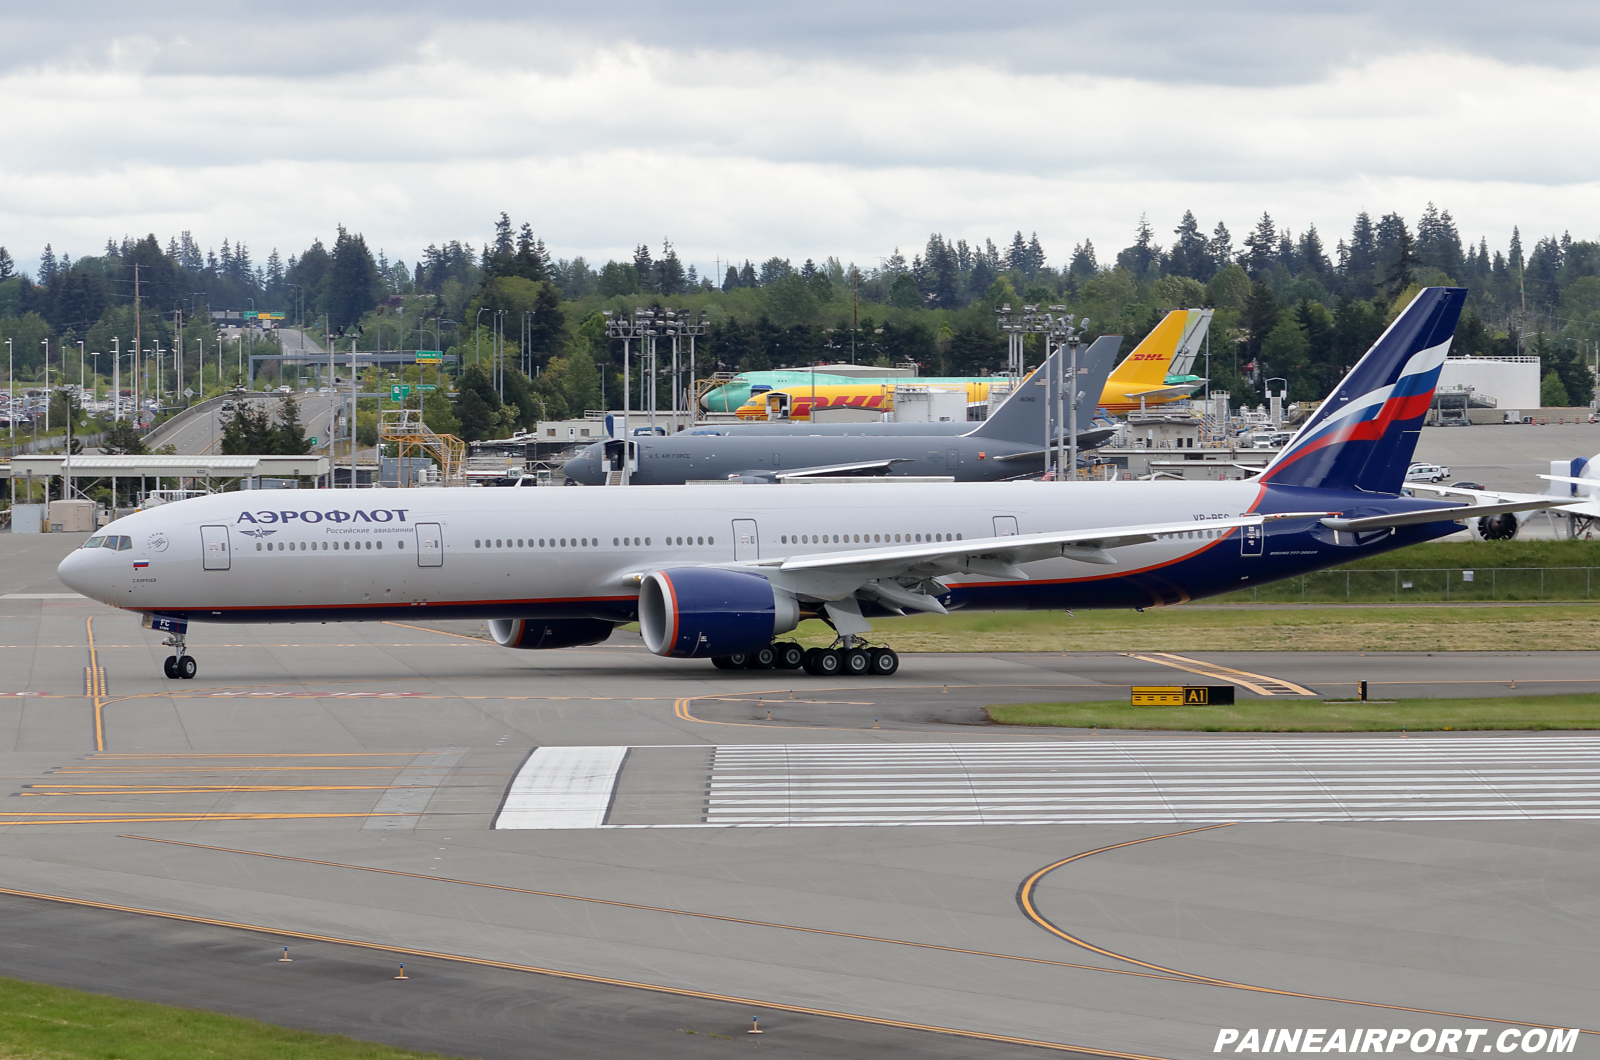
<point x="427" y="387"/>
<point x="313" y="441"/>
<point x="399" y="391"/>
<point x="430" y="356"/>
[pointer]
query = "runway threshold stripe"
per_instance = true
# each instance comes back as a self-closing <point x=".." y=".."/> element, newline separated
<point x="1029" y="907"/>
<point x="1261" y="684"/>
<point x="562" y="787"/>
<point x="557" y="973"/>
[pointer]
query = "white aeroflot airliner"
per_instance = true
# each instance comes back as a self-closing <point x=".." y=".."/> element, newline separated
<point x="720" y="572"/>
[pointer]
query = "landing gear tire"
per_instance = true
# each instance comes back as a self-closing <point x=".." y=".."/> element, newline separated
<point x="763" y="658"/>
<point x="187" y="667"/>
<point x="823" y="662"/>
<point x="790" y="655"/>
<point x="730" y="662"/>
<point x="884" y="662"/>
<point x="170" y="667"/>
<point x="855" y="662"/>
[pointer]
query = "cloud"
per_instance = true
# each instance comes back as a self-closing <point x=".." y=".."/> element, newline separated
<point x="417" y="132"/>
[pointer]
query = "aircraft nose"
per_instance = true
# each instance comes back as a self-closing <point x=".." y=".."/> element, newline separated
<point x="583" y="467"/>
<point x="77" y="571"/>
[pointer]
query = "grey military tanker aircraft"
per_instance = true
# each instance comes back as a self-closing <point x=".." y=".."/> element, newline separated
<point x="1009" y="444"/>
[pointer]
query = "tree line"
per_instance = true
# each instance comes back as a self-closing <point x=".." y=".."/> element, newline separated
<point x="1287" y="305"/>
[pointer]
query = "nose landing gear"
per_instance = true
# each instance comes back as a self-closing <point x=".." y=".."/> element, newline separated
<point x="179" y="666"/>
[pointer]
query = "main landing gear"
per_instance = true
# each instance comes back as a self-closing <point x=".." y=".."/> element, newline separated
<point x="179" y="666"/>
<point x="847" y="658"/>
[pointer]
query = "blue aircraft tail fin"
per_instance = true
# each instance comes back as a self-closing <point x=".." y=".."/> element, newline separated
<point x="1363" y="436"/>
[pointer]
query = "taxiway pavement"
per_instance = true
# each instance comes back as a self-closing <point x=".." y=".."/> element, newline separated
<point x="332" y="788"/>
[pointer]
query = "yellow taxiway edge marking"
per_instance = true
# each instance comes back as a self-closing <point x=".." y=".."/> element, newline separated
<point x="557" y="973"/>
<point x="1025" y="900"/>
<point x="96" y="688"/>
<point x="656" y="909"/>
<point x="1220" y="672"/>
<point x="439" y="632"/>
<point x="47" y="790"/>
<point x="129" y="756"/>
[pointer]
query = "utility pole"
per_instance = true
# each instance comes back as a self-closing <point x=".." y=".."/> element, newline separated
<point x="136" y="345"/>
<point x="116" y="378"/>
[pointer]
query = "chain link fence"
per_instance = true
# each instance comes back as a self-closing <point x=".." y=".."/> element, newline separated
<point x="1425" y="585"/>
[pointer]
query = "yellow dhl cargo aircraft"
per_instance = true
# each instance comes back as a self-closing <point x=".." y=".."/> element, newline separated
<point x="1143" y="376"/>
<point x="795" y="402"/>
<point x="1141" y="380"/>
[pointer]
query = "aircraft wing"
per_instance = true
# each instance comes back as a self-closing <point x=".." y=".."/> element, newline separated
<point x="1457" y="512"/>
<point x="859" y="468"/>
<point x="1165" y="391"/>
<point x="998" y="556"/>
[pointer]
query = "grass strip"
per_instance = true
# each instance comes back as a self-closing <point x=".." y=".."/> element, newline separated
<point x="1555" y="627"/>
<point x="39" y="1022"/>
<point x="1278" y="715"/>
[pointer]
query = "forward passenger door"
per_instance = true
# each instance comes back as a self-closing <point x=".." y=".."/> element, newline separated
<point x="430" y="545"/>
<point x="746" y="545"/>
<point x="214" y="548"/>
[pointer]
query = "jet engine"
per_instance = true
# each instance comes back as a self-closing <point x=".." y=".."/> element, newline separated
<point x="1501" y="527"/>
<point x="699" y="612"/>
<point x="534" y="633"/>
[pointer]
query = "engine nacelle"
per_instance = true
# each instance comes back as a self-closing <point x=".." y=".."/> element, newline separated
<point x="698" y="612"/>
<point x="1502" y="527"/>
<point x="536" y="633"/>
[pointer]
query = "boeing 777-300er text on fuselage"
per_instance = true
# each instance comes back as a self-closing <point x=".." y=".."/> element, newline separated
<point x="721" y="572"/>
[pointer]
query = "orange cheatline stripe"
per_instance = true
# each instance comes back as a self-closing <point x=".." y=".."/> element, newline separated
<point x="1025" y="901"/>
<point x="657" y="988"/>
<point x="50" y="790"/>
<point x="656" y="909"/>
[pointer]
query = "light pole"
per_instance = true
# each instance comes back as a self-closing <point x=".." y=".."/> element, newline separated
<point x="627" y="330"/>
<point x="1058" y="331"/>
<point x="11" y="401"/>
<point x="46" y="344"/>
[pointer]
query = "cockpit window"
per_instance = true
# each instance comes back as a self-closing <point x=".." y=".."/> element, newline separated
<point x="124" y="544"/>
<point x="94" y="542"/>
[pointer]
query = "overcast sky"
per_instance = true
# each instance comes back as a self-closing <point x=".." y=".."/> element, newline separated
<point x="744" y="130"/>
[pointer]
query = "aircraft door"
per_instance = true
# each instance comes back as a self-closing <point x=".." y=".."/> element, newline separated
<point x="214" y="547"/>
<point x="745" y="543"/>
<point x="1005" y="526"/>
<point x="1251" y="538"/>
<point x="430" y="545"/>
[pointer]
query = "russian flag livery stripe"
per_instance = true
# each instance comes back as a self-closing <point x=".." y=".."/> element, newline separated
<point x="1363" y="436"/>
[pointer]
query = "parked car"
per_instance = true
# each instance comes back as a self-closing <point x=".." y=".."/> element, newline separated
<point x="1467" y="485"/>
<point x="1427" y="472"/>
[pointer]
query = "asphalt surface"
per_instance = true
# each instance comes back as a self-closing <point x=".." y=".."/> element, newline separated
<point x="333" y="788"/>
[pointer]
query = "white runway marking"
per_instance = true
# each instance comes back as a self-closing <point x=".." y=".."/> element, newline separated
<point x="1157" y="782"/>
<point x="562" y="787"/>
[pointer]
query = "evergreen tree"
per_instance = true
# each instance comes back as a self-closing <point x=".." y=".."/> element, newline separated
<point x="531" y="261"/>
<point x="1361" y="259"/>
<point x="669" y="271"/>
<point x="747" y="275"/>
<point x="289" y="436"/>
<point x="1438" y="242"/>
<point x="645" y="267"/>
<point x="1189" y="256"/>
<point x="1311" y="256"/>
<point x="1036" y="258"/>
<point x="1145" y="251"/>
<point x="1404" y="251"/>
<point x="1083" y="263"/>
<point x="7" y="265"/>
<point x="353" y="285"/>
<point x="942" y="273"/>
<point x="1220" y="248"/>
<point x="730" y="282"/>
<point x="47" y="266"/>
<point x="123" y="439"/>
<point x="1260" y="248"/>
<point x="1259" y="318"/>
<point x="1016" y="254"/>
<point x="774" y="269"/>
